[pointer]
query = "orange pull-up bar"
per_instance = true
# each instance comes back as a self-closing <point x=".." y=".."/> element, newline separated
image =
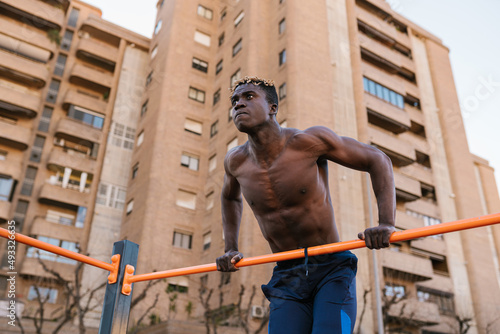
<point x="420" y="232"/>
<point x="112" y="268"/>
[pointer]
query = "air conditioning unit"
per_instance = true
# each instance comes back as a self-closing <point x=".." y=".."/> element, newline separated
<point x="257" y="311"/>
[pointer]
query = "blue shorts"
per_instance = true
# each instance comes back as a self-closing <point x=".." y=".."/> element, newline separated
<point x="313" y="295"/>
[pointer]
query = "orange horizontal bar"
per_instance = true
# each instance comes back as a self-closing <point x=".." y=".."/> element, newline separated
<point x="58" y="250"/>
<point x="420" y="232"/>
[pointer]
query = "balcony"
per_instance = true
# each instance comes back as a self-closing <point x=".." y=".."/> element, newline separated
<point x="407" y="222"/>
<point x="98" y="53"/>
<point x="43" y="227"/>
<point x="424" y="207"/>
<point x="391" y="81"/>
<point x="383" y="26"/>
<point x="14" y="136"/>
<point x="71" y="159"/>
<point x="11" y="168"/>
<point x="407" y="189"/>
<point x="416" y="115"/>
<point x="386" y="115"/>
<point x="421" y="313"/>
<point x="5" y="211"/>
<point x="41" y="14"/>
<point x="26" y="39"/>
<point x="431" y="245"/>
<point x="32" y="267"/>
<point x="23" y="70"/>
<point x="440" y="283"/>
<point x="385" y="52"/>
<point x="418" y="172"/>
<point x="74" y="98"/>
<point x="404" y="266"/>
<point x="54" y="194"/>
<point x="400" y="151"/>
<point x="92" y="78"/>
<point x="73" y="130"/>
<point x="19" y="104"/>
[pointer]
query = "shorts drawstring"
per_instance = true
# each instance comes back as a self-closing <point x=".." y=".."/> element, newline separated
<point x="307" y="259"/>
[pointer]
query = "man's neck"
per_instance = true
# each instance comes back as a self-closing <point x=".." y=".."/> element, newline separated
<point x="267" y="142"/>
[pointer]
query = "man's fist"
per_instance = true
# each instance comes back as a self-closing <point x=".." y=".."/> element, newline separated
<point x="377" y="237"/>
<point x="227" y="261"/>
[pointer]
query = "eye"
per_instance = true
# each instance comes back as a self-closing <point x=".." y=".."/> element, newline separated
<point x="233" y="103"/>
<point x="249" y="96"/>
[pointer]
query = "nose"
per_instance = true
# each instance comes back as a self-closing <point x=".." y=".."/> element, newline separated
<point x="238" y="105"/>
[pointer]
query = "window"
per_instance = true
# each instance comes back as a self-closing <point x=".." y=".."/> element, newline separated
<point x="149" y="78"/>
<point x="144" y="108"/>
<point x="62" y="218"/>
<point x="53" y="91"/>
<point x="66" y="40"/>
<point x="232" y="144"/>
<point x="46" y="294"/>
<point x="444" y="300"/>
<point x="154" y="51"/>
<point x="43" y="126"/>
<point x="135" y="170"/>
<point x="60" y="64"/>
<point x="130" y="207"/>
<point x="193" y="126"/>
<point x="190" y="161"/>
<point x="177" y="288"/>
<point x="235" y="77"/>
<point x="394" y="290"/>
<point x="6" y="188"/>
<point x="237" y="47"/>
<point x="158" y="27"/>
<point x="73" y="17"/>
<point x="34" y="252"/>
<point x="216" y="97"/>
<point x="221" y="39"/>
<point x="29" y="180"/>
<point x="205" y="12"/>
<point x="122" y="136"/>
<point x="383" y="93"/>
<point x="230" y="114"/>
<point x="182" y="240"/>
<point x="428" y="192"/>
<point x="196" y="94"/>
<point x="202" y="38"/>
<point x="36" y="150"/>
<point x="223" y="14"/>
<point x="86" y="116"/>
<point x="214" y="128"/>
<point x="218" y="68"/>
<point x="282" y="26"/>
<point x="212" y="163"/>
<point x="200" y="65"/>
<point x="282" y="91"/>
<point x="428" y="221"/>
<point x="3" y="155"/>
<point x="140" y="138"/>
<point x="207" y="240"/>
<point x="209" y="200"/>
<point x="239" y="18"/>
<point x="20" y="214"/>
<point x="282" y="57"/>
<point x="80" y="216"/>
<point x="186" y="199"/>
<point x="111" y="196"/>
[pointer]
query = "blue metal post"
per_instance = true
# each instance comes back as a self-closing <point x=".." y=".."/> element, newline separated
<point x="116" y="309"/>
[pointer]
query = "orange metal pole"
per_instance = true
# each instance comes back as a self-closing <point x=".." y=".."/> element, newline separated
<point x="113" y="267"/>
<point x="426" y="231"/>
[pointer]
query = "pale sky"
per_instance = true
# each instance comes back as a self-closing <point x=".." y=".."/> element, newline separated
<point x="469" y="28"/>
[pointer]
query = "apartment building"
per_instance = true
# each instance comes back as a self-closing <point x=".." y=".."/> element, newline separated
<point x="356" y="67"/>
<point x="70" y="94"/>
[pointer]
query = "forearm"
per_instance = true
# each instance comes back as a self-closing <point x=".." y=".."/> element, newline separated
<point x="382" y="178"/>
<point x="231" y="218"/>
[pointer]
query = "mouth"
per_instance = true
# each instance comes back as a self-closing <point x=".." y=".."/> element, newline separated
<point x="239" y="114"/>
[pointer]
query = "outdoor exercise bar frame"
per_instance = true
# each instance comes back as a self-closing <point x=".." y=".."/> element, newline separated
<point x="117" y="299"/>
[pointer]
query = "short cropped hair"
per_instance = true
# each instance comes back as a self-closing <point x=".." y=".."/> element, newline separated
<point x="265" y="84"/>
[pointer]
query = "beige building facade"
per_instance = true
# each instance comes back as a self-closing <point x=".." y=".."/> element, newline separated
<point x="356" y="67"/>
<point x="70" y="90"/>
<point x="107" y="135"/>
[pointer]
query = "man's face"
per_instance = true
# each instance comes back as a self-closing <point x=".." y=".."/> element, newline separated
<point x="250" y="107"/>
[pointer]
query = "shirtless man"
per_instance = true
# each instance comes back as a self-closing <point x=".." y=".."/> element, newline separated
<point x="283" y="175"/>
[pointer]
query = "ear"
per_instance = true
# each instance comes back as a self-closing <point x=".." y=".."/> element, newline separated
<point x="273" y="109"/>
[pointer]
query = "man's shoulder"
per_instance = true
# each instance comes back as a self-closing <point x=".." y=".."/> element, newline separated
<point x="236" y="156"/>
<point x="312" y="134"/>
